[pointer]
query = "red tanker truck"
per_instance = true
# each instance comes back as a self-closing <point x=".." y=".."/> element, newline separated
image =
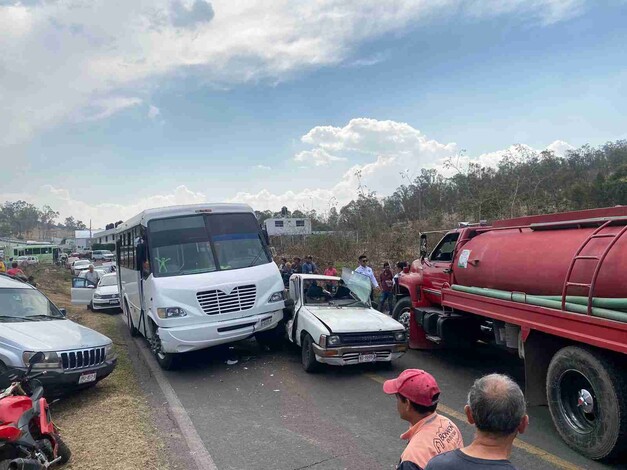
<point x="550" y="288"/>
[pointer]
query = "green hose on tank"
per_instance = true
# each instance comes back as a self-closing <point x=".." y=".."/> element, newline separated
<point x="543" y="302"/>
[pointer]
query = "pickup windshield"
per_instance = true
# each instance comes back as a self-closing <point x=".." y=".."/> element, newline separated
<point x="205" y="243"/>
<point x="26" y="305"/>
<point x="323" y="291"/>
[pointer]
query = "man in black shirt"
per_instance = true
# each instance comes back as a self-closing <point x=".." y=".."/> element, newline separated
<point x="496" y="406"/>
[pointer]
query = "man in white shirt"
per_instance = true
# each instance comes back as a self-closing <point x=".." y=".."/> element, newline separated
<point x="92" y="275"/>
<point x="366" y="270"/>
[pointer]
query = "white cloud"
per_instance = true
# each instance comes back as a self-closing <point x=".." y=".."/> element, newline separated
<point x="318" y="156"/>
<point x="559" y="148"/>
<point x="107" y="107"/>
<point x="262" y="167"/>
<point x="60" y="58"/>
<point x="153" y="112"/>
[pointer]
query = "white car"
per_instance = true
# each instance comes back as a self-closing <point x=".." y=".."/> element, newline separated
<point x="27" y="260"/>
<point x="334" y="323"/>
<point x="102" y="255"/>
<point x="103" y="296"/>
<point x="79" y="265"/>
<point x="101" y="272"/>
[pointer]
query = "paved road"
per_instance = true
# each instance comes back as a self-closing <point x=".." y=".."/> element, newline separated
<point x="265" y="412"/>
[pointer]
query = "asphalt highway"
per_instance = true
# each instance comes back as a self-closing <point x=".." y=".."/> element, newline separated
<point x="256" y="409"/>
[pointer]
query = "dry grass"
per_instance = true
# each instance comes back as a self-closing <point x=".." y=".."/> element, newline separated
<point x="108" y="426"/>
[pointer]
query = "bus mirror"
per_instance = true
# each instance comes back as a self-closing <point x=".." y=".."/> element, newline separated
<point x="266" y="237"/>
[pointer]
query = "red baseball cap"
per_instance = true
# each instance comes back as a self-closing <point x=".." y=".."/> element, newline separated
<point x="416" y="385"/>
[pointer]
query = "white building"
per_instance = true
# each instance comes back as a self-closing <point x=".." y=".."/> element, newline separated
<point x="104" y="237"/>
<point x="82" y="239"/>
<point x="288" y="226"/>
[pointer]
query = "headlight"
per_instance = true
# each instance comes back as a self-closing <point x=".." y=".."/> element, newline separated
<point x="333" y="340"/>
<point x="171" y="312"/>
<point x="51" y="360"/>
<point x="109" y="352"/>
<point x="97" y="296"/>
<point x="400" y="336"/>
<point x="277" y="296"/>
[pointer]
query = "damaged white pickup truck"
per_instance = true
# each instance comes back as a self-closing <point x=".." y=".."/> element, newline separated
<point x="333" y="322"/>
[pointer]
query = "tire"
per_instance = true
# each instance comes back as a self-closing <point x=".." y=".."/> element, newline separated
<point x="598" y="428"/>
<point x="167" y="361"/>
<point x="63" y="450"/>
<point x="402" y="311"/>
<point x="131" y="328"/>
<point x="90" y="307"/>
<point x="272" y="339"/>
<point x="308" y="357"/>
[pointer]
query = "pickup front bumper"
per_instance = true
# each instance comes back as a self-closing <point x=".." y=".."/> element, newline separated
<point x="349" y="355"/>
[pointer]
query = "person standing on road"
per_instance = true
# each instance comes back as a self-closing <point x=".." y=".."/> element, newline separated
<point x="366" y="270"/>
<point x="330" y="271"/>
<point x="308" y="266"/>
<point x="496" y="406"/>
<point x="417" y="394"/>
<point x="92" y="276"/>
<point x="3" y="267"/>
<point x="386" y="277"/>
<point x="297" y="268"/>
<point x="16" y="272"/>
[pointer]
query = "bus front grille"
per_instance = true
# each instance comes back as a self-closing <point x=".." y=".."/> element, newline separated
<point x="216" y="302"/>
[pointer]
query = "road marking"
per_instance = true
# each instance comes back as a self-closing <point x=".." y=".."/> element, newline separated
<point x="530" y="449"/>
<point x="197" y="449"/>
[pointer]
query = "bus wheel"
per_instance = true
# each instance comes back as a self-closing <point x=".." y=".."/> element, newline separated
<point x="587" y="395"/>
<point x="129" y="320"/>
<point x="167" y="361"/>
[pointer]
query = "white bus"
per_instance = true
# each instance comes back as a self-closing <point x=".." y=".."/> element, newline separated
<point x="196" y="276"/>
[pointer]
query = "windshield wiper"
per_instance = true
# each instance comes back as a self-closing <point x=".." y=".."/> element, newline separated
<point x="261" y="252"/>
<point x="9" y="317"/>
<point x="43" y="316"/>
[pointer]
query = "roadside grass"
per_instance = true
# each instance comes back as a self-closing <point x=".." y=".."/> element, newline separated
<point x="108" y="426"/>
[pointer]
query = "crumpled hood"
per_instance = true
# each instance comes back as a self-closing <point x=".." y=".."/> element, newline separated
<point x="355" y="320"/>
<point x="51" y="335"/>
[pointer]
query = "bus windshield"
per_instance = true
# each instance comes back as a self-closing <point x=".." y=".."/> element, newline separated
<point x="205" y="243"/>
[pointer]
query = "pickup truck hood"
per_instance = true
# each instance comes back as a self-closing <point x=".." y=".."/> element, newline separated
<point x="51" y="335"/>
<point x="355" y="320"/>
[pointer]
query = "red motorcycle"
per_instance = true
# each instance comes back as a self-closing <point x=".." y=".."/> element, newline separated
<point x="29" y="440"/>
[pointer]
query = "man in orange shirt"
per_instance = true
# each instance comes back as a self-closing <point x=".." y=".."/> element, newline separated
<point x="417" y="394"/>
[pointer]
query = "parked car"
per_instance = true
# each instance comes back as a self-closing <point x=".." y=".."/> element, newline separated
<point x="79" y="265"/>
<point x="333" y="322"/>
<point x="102" y="255"/>
<point x="103" y="296"/>
<point x="27" y="260"/>
<point x="100" y="270"/>
<point x="75" y="356"/>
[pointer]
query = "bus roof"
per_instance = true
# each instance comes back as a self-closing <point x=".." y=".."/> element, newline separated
<point x="172" y="211"/>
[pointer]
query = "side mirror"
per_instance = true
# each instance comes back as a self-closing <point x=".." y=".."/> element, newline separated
<point x="34" y="359"/>
<point x="63" y="312"/>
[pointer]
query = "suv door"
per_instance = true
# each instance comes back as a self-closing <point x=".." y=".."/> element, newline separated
<point x="82" y="291"/>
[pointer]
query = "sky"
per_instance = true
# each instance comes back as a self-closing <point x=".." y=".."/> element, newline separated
<point x="109" y="107"/>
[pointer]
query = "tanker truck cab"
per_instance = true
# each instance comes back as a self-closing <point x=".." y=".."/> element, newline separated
<point x="551" y="289"/>
<point x="334" y="323"/>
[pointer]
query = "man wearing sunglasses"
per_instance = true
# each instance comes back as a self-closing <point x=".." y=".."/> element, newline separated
<point x="366" y="270"/>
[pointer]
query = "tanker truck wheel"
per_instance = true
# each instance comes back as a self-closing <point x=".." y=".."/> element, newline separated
<point x="402" y="311"/>
<point x="587" y="395"/>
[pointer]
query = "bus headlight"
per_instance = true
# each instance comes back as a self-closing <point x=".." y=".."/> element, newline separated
<point x="171" y="312"/>
<point x="277" y="296"/>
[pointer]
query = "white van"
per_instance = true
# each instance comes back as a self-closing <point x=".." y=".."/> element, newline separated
<point x="196" y="276"/>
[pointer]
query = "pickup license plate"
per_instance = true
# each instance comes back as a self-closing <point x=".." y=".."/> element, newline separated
<point x="265" y="322"/>
<point x="113" y="301"/>
<point x="87" y="378"/>
<point x="367" y="357"/>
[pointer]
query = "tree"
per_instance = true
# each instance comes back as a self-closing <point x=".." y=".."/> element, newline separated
<point x="47" y="218"/>
<point x="70" y="223"/>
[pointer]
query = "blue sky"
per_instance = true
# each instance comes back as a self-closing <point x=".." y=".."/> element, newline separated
<point x="192" y="101"/>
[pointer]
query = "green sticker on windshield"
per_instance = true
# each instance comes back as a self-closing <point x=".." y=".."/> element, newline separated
<point x="161" y="262"/>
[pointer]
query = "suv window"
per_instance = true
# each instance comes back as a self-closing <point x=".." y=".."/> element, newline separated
<point x="446" y="247"/>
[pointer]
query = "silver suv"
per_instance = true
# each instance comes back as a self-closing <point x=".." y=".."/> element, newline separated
<point x="75" y="356"/>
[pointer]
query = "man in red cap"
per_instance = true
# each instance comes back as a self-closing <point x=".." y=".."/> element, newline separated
<point x="417" y="394"/>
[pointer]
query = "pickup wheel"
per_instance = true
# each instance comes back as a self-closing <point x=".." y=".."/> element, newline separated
<point x="308" y="356"/>
<point x="402" y="311"/>
<point x="587" y="395"/>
